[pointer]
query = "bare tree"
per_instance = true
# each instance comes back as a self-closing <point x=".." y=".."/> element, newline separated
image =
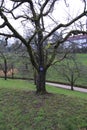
<point x="32" y="14"/>
<point x="3" y="57"/>
<point x="4" y="66"/>
<point x="70" y="69"/>
<point x="6" y="62"/>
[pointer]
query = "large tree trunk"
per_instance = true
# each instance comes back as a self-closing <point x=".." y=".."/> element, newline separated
<point x="35" y="76"/>
<point x="40" y="83"/>
<point x="5" y="68"/>
<point x="72" y="82"/>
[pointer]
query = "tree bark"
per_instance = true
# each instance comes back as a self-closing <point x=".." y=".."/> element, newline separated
<point x="5" y="68"/>
<point x="40" y="82"/>
<point x="72" y="82"/>
<point x="72" y="86"/>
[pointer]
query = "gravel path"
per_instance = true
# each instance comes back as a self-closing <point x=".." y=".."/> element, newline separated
<point x="67" y="87"/>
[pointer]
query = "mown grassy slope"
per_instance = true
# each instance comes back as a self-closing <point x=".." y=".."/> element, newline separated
<point x="22" y="109"/>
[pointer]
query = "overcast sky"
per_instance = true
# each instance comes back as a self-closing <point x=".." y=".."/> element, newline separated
<point x="61" y="12"/>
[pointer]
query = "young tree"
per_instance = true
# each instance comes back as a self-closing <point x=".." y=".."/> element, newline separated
<point x="21" y="60"/>
<point x="4" y="65"/>
<point x="3" y="57"/>
<point x="6" y="61"/>
<point x="33" y="15"/>
<point x="70" y="69"/>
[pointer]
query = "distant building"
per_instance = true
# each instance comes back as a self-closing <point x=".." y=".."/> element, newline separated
<point x="80" y="40"/>
<point x="77" y="43"/>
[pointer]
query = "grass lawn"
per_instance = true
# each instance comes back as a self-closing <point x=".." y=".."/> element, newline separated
<point x="22" y="109"/>
<point x="54" y="75"/>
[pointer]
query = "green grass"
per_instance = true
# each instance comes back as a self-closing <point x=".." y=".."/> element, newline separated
<point x="22" y="109"/>
<point x="82" y="58"/>
<point x="54" y="75"/>
<point x="67" y="92"/>
<point x="16" y="84"/>
<point x="29" y="85"/>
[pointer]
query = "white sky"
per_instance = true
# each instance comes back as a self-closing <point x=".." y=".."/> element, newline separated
<point x="75" y="8"/>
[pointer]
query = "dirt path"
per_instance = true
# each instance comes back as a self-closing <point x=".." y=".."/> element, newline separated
<point x="67" y="87"/>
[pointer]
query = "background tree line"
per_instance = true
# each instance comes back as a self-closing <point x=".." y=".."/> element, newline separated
<point x="14" y="63"/>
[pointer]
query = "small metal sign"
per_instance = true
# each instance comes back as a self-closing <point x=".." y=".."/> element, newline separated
<point x="41" y="68"/>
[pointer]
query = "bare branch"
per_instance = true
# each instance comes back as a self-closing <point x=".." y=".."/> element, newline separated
<point x="15" y="7"/>
<point x="16" y="34"/>
<point x="84" y="4"/>
<point x="7" y="35"/>
<point x="50" y="8"/>
<point x="3" y="25"/>
<point x="20" y="0"/>
<point x="64" y="25"/>
<point x="1" y="3"/>
<point x="44" y="5"/>
<point x="66" y="3"/>
<point x="51" y="59"/>
<point x="31" y="38"/>
<point x="61" y="59"/>
<point x="42" y="8"/>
